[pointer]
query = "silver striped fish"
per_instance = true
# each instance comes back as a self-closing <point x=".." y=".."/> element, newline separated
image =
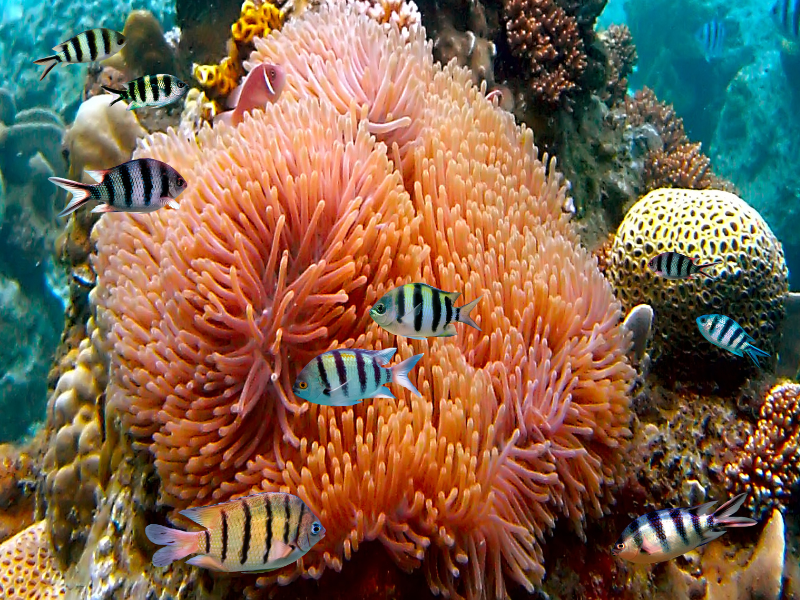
<point x="140" y="185"/>
<point x="150" y="90"/>
<point x="419" y="311"/>
<point x="726" y="333"/>
<point x="673" y="265"/>
<point x="711" y="38"/>
<point x="346" y="377"/>
<point x="260" y="532"/>
<point x="786" y="14"/>
<point x="87" y="46"/>
<point x="665" y="534"/>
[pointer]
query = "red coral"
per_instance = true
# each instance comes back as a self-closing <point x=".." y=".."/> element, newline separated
<point x="543" y="35"/>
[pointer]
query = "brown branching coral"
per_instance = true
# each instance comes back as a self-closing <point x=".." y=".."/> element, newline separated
<point x="679" y="163"/>
<point x="622" y="58"/>
<point x="768" y="467"/>
<point x="548" y="41"/>
<point x="295" y="223"/>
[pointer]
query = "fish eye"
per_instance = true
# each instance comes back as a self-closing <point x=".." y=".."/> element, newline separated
<point x="380" y="308"/>
<point x="272" y="73"/>
<point x="620" y="546"/>
<point x="302" y="385"/>
<point x="315" y="528"/>
<point x="120" y="39"/>
<point x="180" y="181"/>
<point x="181" y="84"/>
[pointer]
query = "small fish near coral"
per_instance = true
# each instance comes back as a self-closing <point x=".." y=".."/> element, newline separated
<point x="262" y="85"/>
<point x="711" y="39"/>
<point x="419" y="311"/>
<point x="346" y="377"/>
<point x="150" y="91"/>
<point x="665" y="534"/>
<point x="726" y="333"/>
<point x="140" y="185"/>
<point x="87" y="46"/>
<point x="673" y="265"/>
<point x="260" y="532"/>
<point x="785" y="14"/>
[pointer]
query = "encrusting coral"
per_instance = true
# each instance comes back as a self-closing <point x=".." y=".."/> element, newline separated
<point x="749" y="286"/>
<point x="28" y="570"/>
<point x="768" y="467"/>
<point x="294" y="223"/>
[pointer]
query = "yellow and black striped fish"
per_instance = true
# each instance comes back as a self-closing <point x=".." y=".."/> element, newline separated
<point x="346" y="377"/>
<point x="419" y="311"/>
<point x="255" y="533"/>
<point x="87" y="46"/>
<point x="150" y="90"/>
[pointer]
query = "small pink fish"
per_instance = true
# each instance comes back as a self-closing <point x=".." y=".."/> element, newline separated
<point x="262" y="85"/>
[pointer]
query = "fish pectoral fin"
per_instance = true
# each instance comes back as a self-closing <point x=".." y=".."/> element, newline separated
<point x="650" y="547"/>
<point x="103" y="208"/>
<point x="279" y="550"/>
<point x="206" y="562"/>
<point x="383" y="392"/>
<point x="329" y="391"/>
<point x="408" y="318"/>
<point x="173" y="204"/>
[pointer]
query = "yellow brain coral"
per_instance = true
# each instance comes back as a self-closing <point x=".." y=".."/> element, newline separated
<point x="294" y="223"/>
<point x="28" y="570"/>
<point x="749" y="286"/>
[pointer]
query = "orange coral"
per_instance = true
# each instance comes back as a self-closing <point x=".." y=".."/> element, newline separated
<point x="294" y="223"/>
<point x="768" y="467"/>
<point x="548" y="41"/>
<point x="28" y="571"/>
<point x="256" y="21"/>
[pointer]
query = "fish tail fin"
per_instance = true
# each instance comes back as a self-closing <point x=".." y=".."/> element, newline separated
<point x="121" y="93"/>
<point x="50" y="61"/>
<point x="722" y="516"/>
<point x="753" y="353"/>
<point x="81" y="193"/>
<point x="462" y="313"/>
<point x="179" y="544"/>
<point x="401" y="370"/>
<point x="702" y="268"/>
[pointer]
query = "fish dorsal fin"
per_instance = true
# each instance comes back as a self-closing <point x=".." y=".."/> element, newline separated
<point x="703" y="509"/>
<point x="202" y="515"/>
<point x="382" y="357"/>
<point x="408" y="318"/>
<point x="452" y="295"/>
<point x="97" y="174"/>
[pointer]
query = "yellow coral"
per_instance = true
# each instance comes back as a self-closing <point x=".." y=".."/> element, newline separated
<point x="28" y="570"/>
<point x="256" y="21"/>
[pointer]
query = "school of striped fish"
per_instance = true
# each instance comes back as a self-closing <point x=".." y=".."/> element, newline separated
<point x="267" y="531"/>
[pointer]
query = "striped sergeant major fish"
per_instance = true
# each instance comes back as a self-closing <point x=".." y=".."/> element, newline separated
<point x="726" y="333"/>
<point x="673" y="265"/>
<point x="260" y="532"/>
<point x="664" y="534"/>
<point x="419" y="311"/>
<point x="786" y="15"/>
<point x="87" y="46"/>
<point x="346" y="377"/>
<point x="711" y="38"/>
<point x="140" y="185"/>
<point x="150" y="90"/>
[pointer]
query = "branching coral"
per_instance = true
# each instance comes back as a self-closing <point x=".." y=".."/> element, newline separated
<point x="294" y="223"/>
<point x="548" y="41"/>
<point x="768" y="467"/>
<point x="622" y="58"/>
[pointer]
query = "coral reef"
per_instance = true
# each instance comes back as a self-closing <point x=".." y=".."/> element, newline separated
<point x="208" y="312"/>
<point x="18" y="472"/>
<point x="622" y="58"/>
<point x="749" y="286"/>
<point x="255" y="21"/>
<point x="546" y="39"/>
<point x="146" y="52"/>
<point x="768" y="467"/>
<point x="28" y="570"/>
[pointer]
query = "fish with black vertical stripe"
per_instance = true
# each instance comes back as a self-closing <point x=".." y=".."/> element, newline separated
<point x="786" y="15"/>
<point x="140" y="185"/>
<point x="260" y="532"/>
<point x="419" y="311"/>
<point x="88" y="46"/>
<point x="726" y="333"/>
<point x="150" y="91"/>
<point x="346" y="377"/>
<point x="674" y="265"/>
<point x="665" y="534"/>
